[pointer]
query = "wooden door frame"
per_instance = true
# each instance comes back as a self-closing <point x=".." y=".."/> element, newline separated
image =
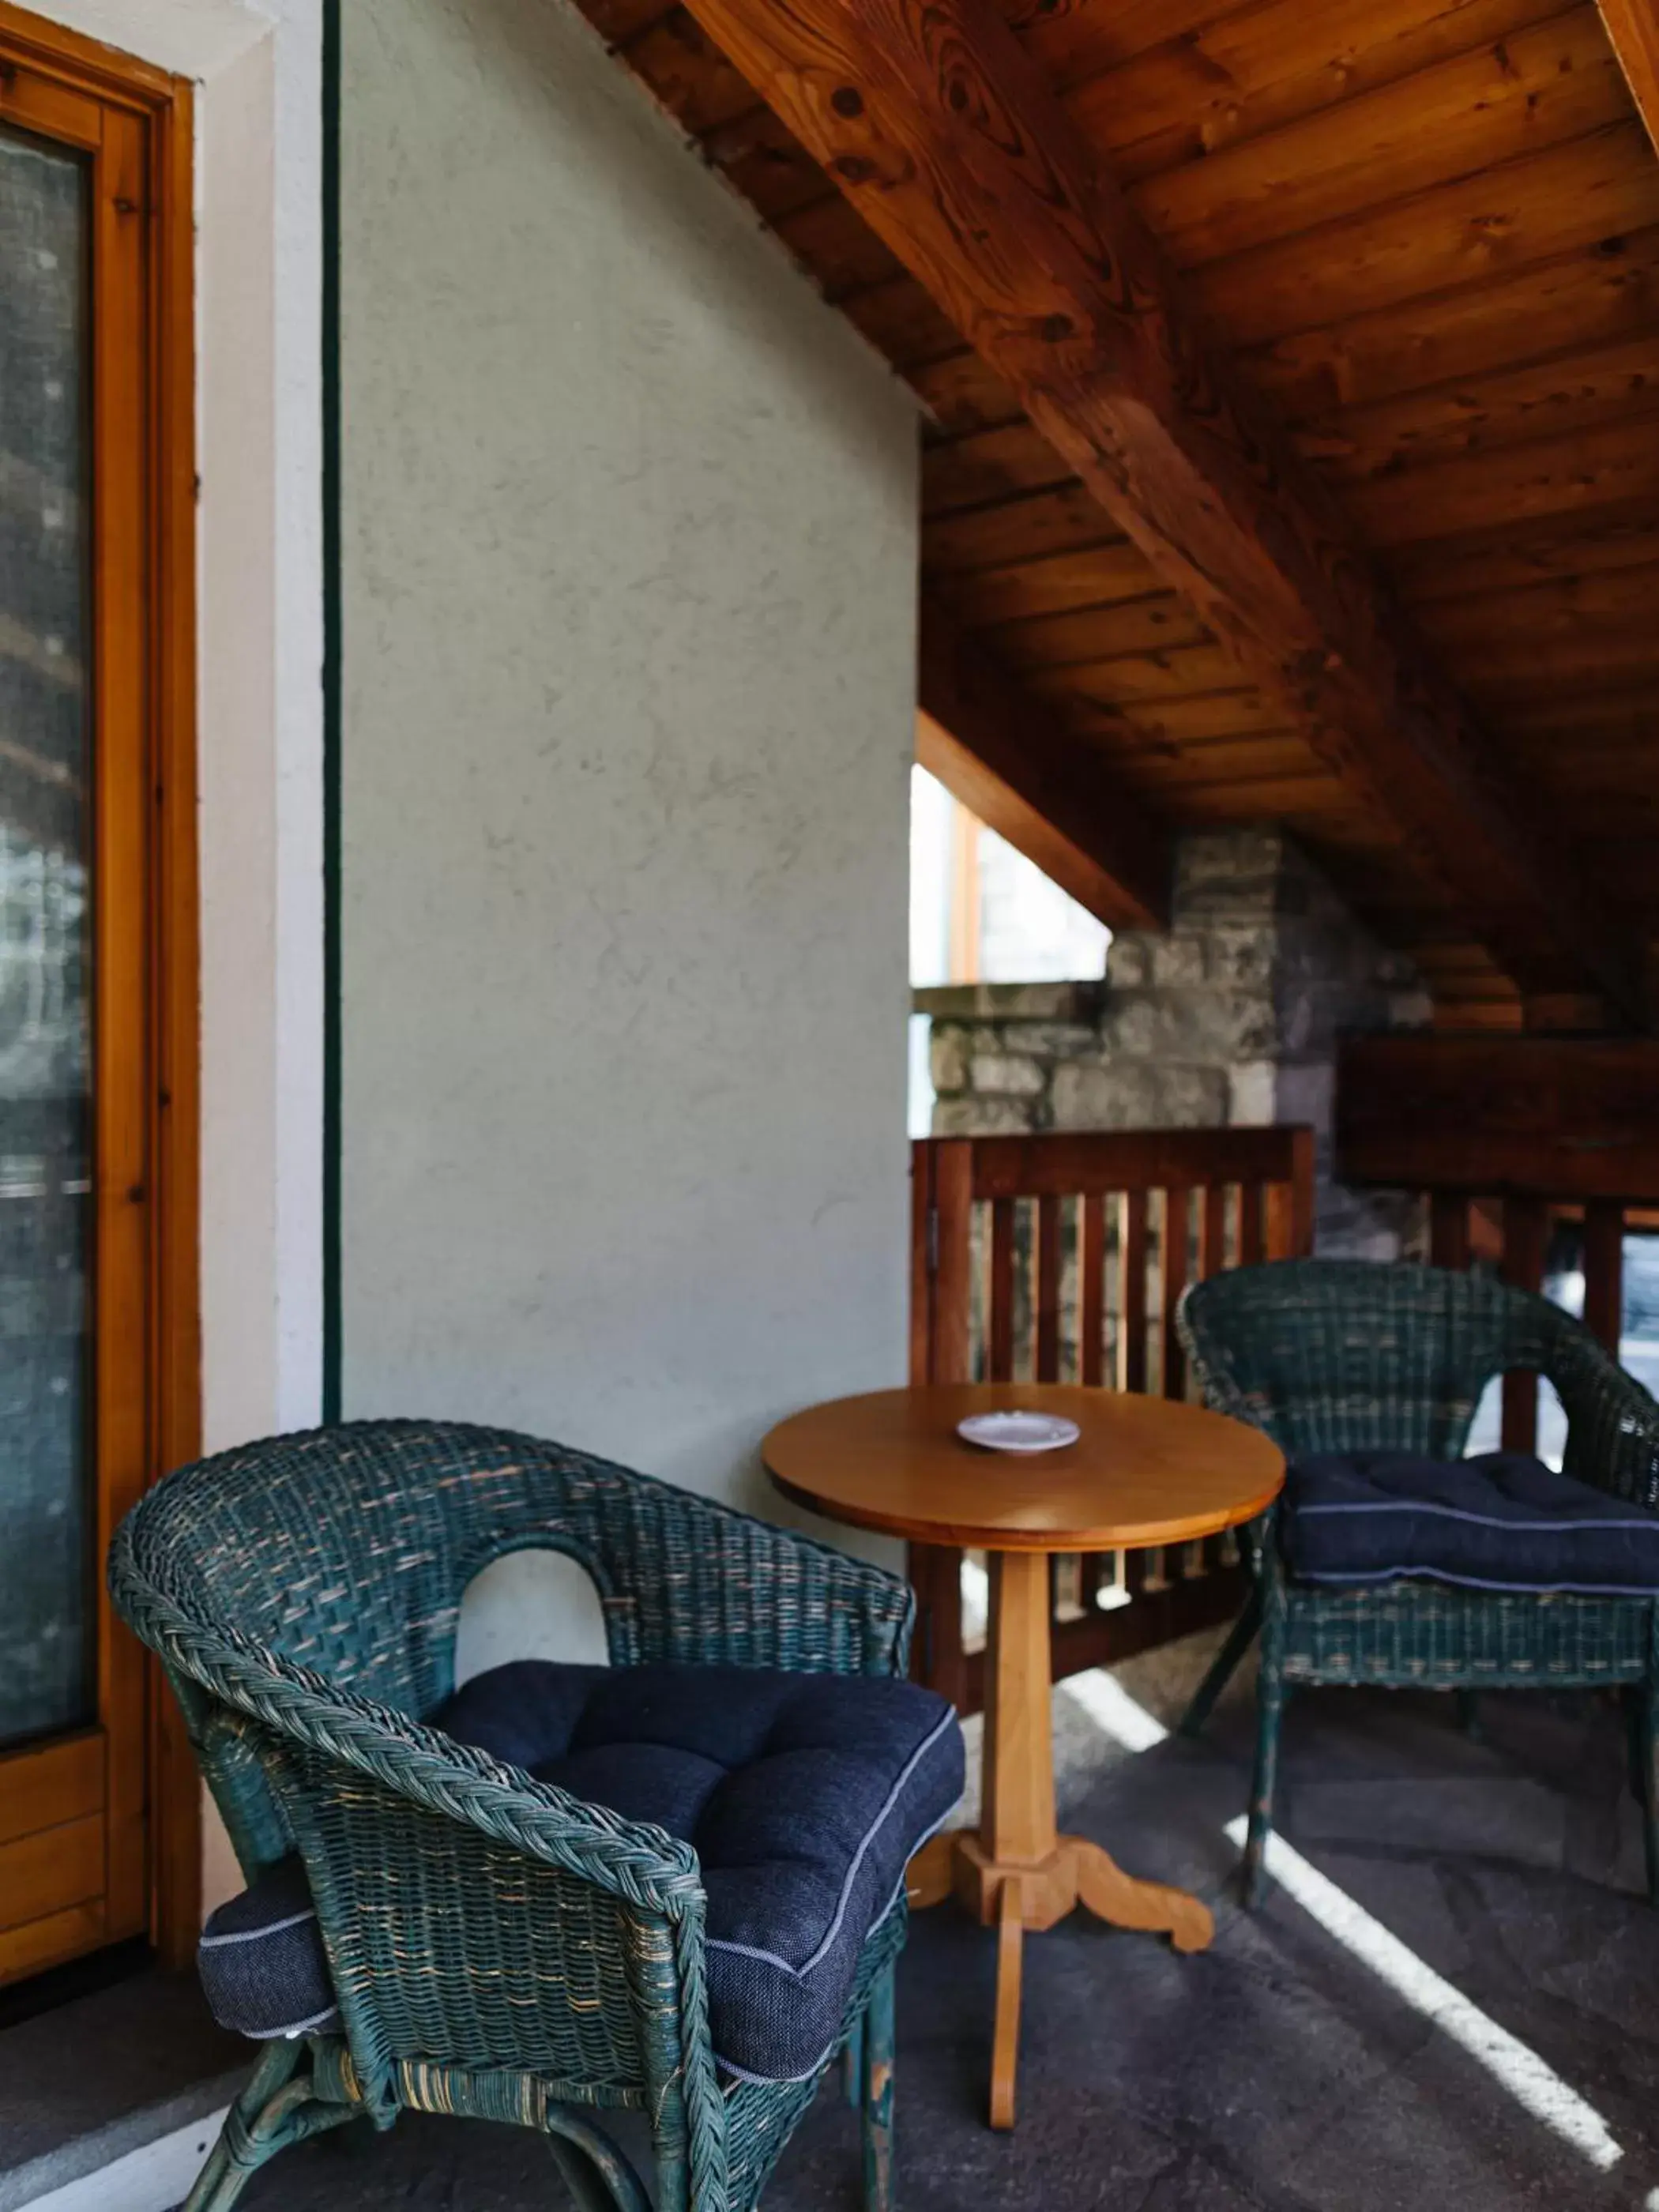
<point x="168" y="1031"/>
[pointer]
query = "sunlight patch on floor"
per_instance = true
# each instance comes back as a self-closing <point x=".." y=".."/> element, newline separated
<point x="1533" y="2085"/>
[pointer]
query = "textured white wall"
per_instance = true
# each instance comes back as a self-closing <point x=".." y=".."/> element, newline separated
<point x="630" y="565"/>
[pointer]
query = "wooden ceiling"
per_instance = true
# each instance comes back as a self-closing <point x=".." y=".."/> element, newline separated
<point x="1399" y="262"/>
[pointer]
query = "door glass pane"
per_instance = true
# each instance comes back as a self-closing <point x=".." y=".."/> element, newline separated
<point x="46" y="1520"/>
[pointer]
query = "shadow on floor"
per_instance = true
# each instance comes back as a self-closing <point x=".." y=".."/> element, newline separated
<point x="1276" y="2070"/>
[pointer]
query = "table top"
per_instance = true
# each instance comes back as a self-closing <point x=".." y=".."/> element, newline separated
<point x="1143" y="1471"/>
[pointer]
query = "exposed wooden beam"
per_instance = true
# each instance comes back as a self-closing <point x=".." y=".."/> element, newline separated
<point x="1566" y="1118"/>
<point x="939" y="129"/>
<point x="1004" y="758"/>
<point x="1633" y="28"/>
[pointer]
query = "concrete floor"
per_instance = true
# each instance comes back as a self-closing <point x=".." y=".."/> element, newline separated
<point x="1276" y="2070"/>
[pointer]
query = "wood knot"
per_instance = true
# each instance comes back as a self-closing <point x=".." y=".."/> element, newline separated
<point x="853" y="168"/>
<point x="847" y="100"/>
<point x="1054" y="328"/>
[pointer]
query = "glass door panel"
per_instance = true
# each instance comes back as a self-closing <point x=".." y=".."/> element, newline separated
<point x="48" y="1515"/>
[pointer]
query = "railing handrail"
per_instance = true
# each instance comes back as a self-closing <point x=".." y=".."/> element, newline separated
<point x="1093" y="1162"/>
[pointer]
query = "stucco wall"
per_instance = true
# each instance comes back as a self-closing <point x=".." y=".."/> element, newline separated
<point x="628" y="576"/>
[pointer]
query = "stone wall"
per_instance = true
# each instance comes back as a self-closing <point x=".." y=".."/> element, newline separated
<point x="1230" y="1017"/>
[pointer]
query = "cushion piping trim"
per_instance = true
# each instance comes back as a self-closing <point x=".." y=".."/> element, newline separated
<point x="298" y="2027"/>
<point x="791" y="2081"/>
<point x="256" y="1935"/>
<point x="799" y="1973"/>
<point x="1561" y="1526"/>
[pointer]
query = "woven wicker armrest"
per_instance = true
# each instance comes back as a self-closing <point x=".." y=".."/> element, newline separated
<point x="1613" y="1423"/>
<point x="637" y="1862"/>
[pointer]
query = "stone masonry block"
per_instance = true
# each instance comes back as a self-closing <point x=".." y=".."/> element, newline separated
<point x="948" y="1048"/>
<point x="984" y="1117"/>
<point x="1138" y="1096"/>
<point x="1178" y="960"/>
<point x="1008" y="1073"/>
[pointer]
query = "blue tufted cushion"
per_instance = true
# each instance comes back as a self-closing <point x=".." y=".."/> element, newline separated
<point x="803" y="1794"/>
<point x="1502" y="1521"/>
<point x="261" y="1959"/>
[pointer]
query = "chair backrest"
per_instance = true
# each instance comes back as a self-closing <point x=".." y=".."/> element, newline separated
<point x="304" y="1594"/>
<point x="1335" y="1355"/>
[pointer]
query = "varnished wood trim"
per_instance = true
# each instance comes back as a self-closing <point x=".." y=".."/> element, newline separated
<point x="1006" y="757"/>
<point x="1632" y="28"/>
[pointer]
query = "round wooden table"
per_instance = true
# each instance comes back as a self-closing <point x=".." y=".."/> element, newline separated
<point x="1143" y="1472"/>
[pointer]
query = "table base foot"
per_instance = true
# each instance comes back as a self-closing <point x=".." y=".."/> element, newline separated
<point x="1035" y="1894"/>
<point x="1004" y="2042"/>
<point x="1105" y="1890"/>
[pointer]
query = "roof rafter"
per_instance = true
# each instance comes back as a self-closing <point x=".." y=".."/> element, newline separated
<point x="1003" y="755"/>
<point x="933" y="120"/>
<point x="1633" y="29"/>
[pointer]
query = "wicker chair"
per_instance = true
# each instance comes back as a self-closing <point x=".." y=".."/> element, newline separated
<point x="1338" y="1356"/>
<point x="499" y="1949"/>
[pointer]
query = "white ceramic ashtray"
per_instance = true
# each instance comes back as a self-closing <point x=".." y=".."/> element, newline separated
<point x="1018" y="1433"/>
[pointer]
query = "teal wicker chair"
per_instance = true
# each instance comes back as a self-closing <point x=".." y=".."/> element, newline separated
<point x="499" y="1947"/>
<point x="1339" y="1356"/>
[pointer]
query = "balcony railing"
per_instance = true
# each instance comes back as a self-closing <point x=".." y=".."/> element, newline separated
<point x="1060" y="1258"/>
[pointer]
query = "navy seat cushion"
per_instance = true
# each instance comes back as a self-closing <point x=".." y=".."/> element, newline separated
<point x="804" y="1796"/>
<point x="1502" y="1521"/>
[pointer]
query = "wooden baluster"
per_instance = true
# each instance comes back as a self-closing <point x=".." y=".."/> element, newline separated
<point x="1213" y="1233"/>
<point x="1251" y="1246"/>
<point x="1091" y="1267"/>
<point x="1048" y="1289"/>
<point x="1448" y="1228"/>
<point x="1000" y="1362"/>
<point x="1525" y="1232"/>
<point x="941" y="1346"/>
<point x="1604" y="1270"/>
<point x="1132" y="1293"/>
<point x="1176" y="1229"/>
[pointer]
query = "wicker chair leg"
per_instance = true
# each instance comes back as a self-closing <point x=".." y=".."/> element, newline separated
<point x="1240" y="1636"/>
<point x="877" y="2051"/>
<point x="1645" y="1739"/>
<point x="851" y="2066"/>
<point x="596" y="2173"/>
<point x="275" y="2110"/>
<point x="1269" y="1712"/>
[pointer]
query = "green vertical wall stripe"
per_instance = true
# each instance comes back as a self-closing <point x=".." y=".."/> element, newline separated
<point x="332" y="710"/>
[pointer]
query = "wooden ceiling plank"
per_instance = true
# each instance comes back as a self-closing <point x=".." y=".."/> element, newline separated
<point x="1612" y="466"/>
<point x="1183" y="672"/>
<point x="1556" y="396"/>
<point x="963" y="393"/>
<point x="1633" y="29"/>
<point x="1204" y="717"/>
<point x="762" y="160"/>
<point x="1256" y="69"/>
<point x="1596" y="188"/>
<point x="1018" y="771"/>
<point x="1598" y="294"/>
<point x="1018" y="530"/>
<point x="1062" y="583"/>
<point x="988" y="466"/>
<point x="946" y="136"/>
<point x="838" y="251"/>
<point x="688" y="73"/>
<point x="1609" y="601"/>
<point x="1152" y="624"/>
<point x="1547" y="84"/>
<point x="1515" y="555"/>
<point x="903" y="321"/>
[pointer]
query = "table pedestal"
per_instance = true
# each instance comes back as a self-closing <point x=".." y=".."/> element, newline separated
<point x="1017" y="1872"/>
